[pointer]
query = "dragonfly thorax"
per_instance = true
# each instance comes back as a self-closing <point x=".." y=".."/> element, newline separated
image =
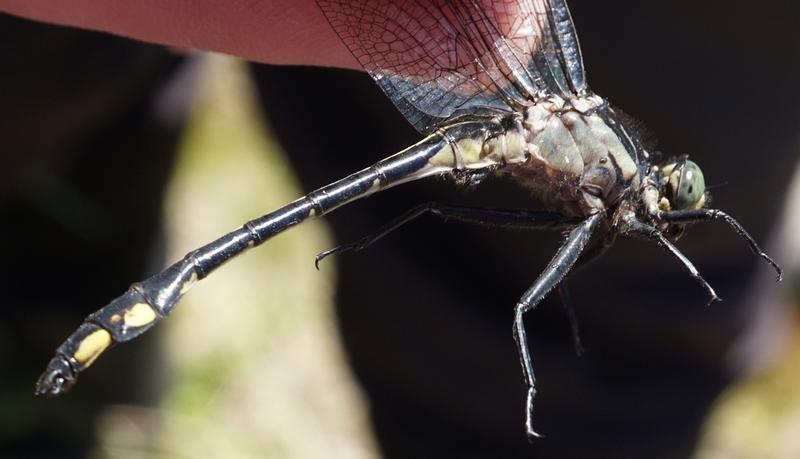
<point x="577" y="162"/>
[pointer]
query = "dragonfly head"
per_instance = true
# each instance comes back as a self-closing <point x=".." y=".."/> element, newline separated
<point x="675" y="186"/>
<point x="683" y="186"/>
<point x="673" y="196"/>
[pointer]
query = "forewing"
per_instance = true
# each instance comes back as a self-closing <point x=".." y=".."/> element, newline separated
<point x="439" y="59"/>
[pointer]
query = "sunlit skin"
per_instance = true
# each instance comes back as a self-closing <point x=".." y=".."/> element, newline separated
<point x="292" y="32"/>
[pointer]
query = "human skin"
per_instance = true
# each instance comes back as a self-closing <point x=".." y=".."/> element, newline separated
<point x="292" y="32"/>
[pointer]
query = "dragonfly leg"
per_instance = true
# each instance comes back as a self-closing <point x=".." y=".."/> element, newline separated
<point x="504" y="218"/>
<point x="552" y="276"/>
<point x="591" y="254"/>
<point x="634" y="226"/>
<point x="700" y="215"/>
<point x="569" y="308"/>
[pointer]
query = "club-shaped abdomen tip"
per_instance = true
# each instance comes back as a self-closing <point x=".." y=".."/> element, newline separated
<point x="57" y="378"/>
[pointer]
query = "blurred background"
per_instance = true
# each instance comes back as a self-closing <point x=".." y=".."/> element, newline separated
<point x="119" y="157"/>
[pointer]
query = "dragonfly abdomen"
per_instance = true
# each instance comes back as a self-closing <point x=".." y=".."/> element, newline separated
<point x="457" y="147"/>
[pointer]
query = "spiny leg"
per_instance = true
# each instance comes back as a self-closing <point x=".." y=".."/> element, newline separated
<point x="700" y="215"/>
<point x="591" y="254"/>
<point x="554" y="273"/>
<point x="636" y="227"/>
<point x="569" y="308"/>
<point x="516" y="219"/>
<point x="504" y="218"/>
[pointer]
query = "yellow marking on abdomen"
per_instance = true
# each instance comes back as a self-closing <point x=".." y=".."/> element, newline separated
<point x="443" y="157"/>
<point x="470" y="150"/>
<point x="139" y="314"/>
<point x="92" y="346"/>
<point x="467" y="151"/>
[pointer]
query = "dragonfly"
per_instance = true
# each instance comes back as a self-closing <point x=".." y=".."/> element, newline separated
<point x="498" y="88"/>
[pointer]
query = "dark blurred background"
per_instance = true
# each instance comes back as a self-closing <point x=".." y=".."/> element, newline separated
<point x="90" y="130"/>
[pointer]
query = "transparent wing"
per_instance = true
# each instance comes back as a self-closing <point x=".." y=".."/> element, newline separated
<point x="438" y="59"/>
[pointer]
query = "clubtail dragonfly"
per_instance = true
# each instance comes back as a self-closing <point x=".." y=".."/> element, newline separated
<point x="498" y="88"/>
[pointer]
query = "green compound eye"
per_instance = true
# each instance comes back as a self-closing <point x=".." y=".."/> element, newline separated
<point x="687" y="186"/>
